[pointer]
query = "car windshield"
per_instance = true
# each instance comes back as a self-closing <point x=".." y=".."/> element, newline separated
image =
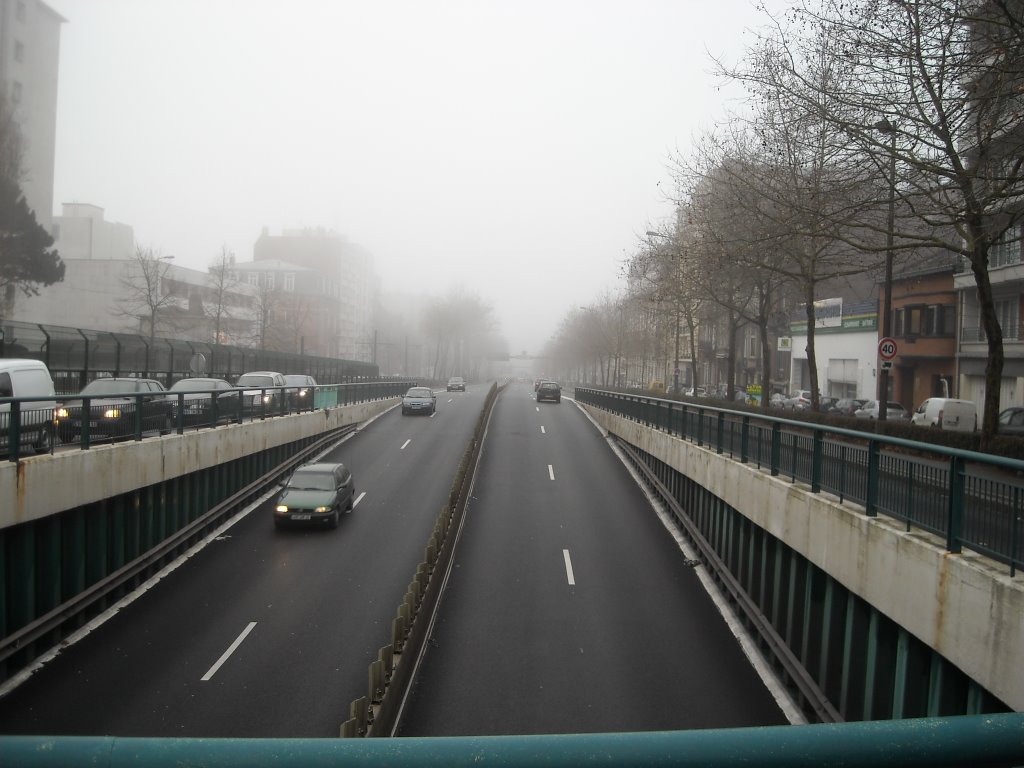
<point x="312" y="481"/>
<point x="419" y="392"/>
<point x="301" y="380"/>
<point x="249" y="380"/>
<point x="194" y="385"/>
<point x="107" y="386"/>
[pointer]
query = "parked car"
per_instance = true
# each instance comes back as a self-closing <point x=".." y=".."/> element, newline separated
<point x="798" y="400"/>
<point x="893" y="412"/>
<point x="202" y="401"/>
<point x="419" y="400"/>
<point x="114" y="405"/>
<point x="696" y="392"/>
<point x="825" y="403"/>
<point x="1011" y="421"/>
<point x="260" y="391"/>
<point x="846" y="406"/>
<point x="947" y="413"/>
<point x="317" y="494"/>
<point x="776" y="400"/>
<point x="305" y="387"/>
<point x="27" y="378"/>
<point x="549" y="390"/>
<point x="456" y="384"/>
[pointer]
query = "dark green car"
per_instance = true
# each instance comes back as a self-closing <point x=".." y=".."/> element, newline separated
<point x="316" y="494"/>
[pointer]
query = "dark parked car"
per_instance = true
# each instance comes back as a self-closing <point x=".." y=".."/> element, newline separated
<point x="260" y="394"/>
<point x="305" y="386"/>
<point x="316" y="494"/>
<point x="114" y="405"/>
<point x="893" y="411"/>
<point x="1011" y="421"/>
<point x="419" y="400"/>
<point x="549" y="390"/>
<point x="846" y="406"/>
<point x="202" y="401"/>
<point x="456" y="383"/>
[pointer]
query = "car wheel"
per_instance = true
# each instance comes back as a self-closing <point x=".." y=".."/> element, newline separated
<point x="335" y="519"/>
<point x="405" y="412"/>
<point x="351" y="500"/>
<point x="44" y="443"/>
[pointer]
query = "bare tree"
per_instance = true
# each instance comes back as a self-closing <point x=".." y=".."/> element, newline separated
<point x="931" y="99"/>
<point x="222" y="285"/>
<point x="147" y="298"/>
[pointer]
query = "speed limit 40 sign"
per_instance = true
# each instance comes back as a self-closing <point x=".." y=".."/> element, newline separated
<point x="887" y="348"/>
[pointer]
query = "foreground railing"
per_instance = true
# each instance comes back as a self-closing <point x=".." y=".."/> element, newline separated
<point x="976" y="740"/>
<point x="972" y="500"/>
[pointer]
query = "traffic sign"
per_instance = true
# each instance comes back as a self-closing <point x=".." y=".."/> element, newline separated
<point x="887" y="365"/>
<point x="887" y="348"/>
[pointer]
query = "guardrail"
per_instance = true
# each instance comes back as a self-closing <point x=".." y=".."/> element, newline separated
<point x="41" y="423"/>
<point x="975" y="740"/>
<point x="972" y="500"/>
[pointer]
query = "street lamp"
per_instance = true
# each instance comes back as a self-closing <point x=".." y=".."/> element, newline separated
<point x="675" y="291"/>
<point x="884" y="126"/>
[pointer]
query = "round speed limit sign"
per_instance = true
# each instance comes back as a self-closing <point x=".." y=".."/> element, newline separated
<point x="887" y="348"/>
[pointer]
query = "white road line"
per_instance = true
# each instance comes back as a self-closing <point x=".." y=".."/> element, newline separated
<point x="538" y="408"/>
<point x="551" y="472"/>
<point x="231" y="649"/>
<point x="358" y="499"/>
<point x="568" y="568"/>
<point x="542" y="430"/>
<point x="405" y="444"/>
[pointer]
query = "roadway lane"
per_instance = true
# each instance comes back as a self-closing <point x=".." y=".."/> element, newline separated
<point x="570" y="607"/>
<point x="308" y="609"/>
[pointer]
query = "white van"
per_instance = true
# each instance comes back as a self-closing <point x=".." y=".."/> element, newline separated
<point x="947" y="413"/>
<point x="27" y="378"/>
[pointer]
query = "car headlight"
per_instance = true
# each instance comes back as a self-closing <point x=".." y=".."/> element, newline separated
<point x="62" y="413"/>
<point x="323" y="509"/>
<point x="302" y="393"/>
<point x="282" y="507"/>
<point x="112" y="413"/>
<point x="267" y="398"/>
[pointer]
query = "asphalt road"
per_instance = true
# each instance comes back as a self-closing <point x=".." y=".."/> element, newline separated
<point x="570" y="607"/>
<point x="303" y="610"/>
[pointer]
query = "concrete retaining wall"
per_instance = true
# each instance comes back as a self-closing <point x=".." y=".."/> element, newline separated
<point x="964" y="606"/>
<point x="44" y="485"/>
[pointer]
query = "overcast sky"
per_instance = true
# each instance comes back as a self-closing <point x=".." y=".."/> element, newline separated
<point x="517" y="150"/>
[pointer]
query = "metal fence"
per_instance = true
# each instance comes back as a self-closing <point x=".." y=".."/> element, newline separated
<point x="76" y="356"/>
<point x="972" y="500"/>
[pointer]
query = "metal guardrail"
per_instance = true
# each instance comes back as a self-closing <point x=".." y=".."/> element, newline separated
<point x="975" y="740"/>
<point x="972" y="500"/>
<point x="41" y="423"/>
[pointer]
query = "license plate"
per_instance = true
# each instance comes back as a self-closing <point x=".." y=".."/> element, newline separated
<point x="300" y="517"/>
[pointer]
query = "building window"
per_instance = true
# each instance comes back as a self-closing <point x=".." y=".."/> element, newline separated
<point x="289" y="282"/>
<point x="268" y="280"/>
<point x="947" y="320"/>
<point x="1008" y="312"/>
<point x="1005" y="250"/>
<point x="19" y="51"/>
<point x="254" y="278"/>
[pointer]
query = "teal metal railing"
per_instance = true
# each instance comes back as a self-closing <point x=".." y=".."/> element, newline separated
<point x="977" y="740"/>
<point x="972" y="500"/>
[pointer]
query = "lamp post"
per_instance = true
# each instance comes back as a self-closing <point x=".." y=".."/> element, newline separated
<point x="886" y="127"/>
<point x="675" y="293"/>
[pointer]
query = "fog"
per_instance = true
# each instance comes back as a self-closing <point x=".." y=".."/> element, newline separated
<point x="515" y="150"/>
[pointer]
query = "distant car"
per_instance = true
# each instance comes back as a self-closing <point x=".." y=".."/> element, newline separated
<point x="261" y="391"/>
<point x="894" y="411"/>
<point x="114" y="405"/>
<point x="846" y="406"/>
<point x="202" y="401"/>
<point x="776" y="400"/>
<point x="317" y="494"/>
<point x="549" y="390"/>
<point x="825" y="404"/>
<point x="305" y="386"/>
<point x="419" y="400"/>
<point x="798" y="400"/>
<point x="1011" y="421"/>
<point x="456" y="384"/>
<point x="696" y="392"/>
